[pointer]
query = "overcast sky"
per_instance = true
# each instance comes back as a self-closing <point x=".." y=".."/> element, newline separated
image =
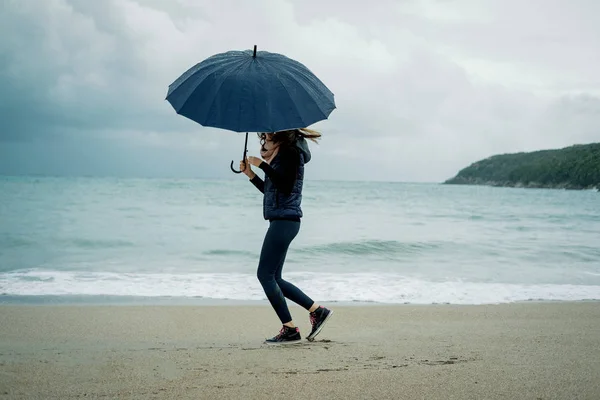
<point x="422" y="88"/>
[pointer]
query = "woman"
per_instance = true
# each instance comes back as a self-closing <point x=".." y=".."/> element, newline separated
<point x="283" y="157"/>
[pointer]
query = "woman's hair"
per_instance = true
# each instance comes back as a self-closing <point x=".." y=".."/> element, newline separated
<point x="288" y="137"/>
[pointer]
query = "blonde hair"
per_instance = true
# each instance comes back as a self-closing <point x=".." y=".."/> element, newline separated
<point x="309" y="134"/>
<point x="290" y="135"/>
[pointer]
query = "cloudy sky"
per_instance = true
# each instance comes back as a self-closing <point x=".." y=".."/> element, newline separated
<point x="422" y="87"/>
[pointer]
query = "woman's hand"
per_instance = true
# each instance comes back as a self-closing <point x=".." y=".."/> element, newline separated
<point x="246" y="169"/>
<point x="254" y="160"/>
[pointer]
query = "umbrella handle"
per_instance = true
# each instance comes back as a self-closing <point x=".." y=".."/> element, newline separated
<point x="243" y="156"/>
<point x="231" y="166"/>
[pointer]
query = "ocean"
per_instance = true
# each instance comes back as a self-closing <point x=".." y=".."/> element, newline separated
<point x="80" y="239"/>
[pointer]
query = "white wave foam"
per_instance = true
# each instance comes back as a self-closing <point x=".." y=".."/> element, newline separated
<point x="591" y="273"/>
<point x="360" y="287"/>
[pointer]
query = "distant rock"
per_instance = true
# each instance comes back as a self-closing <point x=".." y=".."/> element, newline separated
<point x="575" y="168"/>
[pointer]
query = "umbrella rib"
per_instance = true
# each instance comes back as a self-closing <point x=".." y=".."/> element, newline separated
<point x="289" y="95"/>
<point x="302" y="83"/>
<point x="202" y="67"/>
<point x="225" y="76"/>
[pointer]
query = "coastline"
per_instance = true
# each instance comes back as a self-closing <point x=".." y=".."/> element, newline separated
<point x="526" y="350"/>
<point x="518" y="184"/>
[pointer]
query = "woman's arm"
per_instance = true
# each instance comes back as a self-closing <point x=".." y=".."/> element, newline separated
<point x="259" y="183"/>
<point x="255" y="179"/>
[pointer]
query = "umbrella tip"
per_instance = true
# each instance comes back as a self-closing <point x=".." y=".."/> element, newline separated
<point x="254" y="51"/>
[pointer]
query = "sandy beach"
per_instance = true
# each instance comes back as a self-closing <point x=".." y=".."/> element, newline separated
<point x="514" y="351"/>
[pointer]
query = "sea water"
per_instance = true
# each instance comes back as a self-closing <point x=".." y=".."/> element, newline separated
<point x="359" y="241"/>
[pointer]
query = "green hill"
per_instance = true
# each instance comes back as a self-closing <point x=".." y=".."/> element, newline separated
<point x="574" y="167"/>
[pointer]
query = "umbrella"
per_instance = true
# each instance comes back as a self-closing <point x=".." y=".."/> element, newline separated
<point x="250" y="91"/>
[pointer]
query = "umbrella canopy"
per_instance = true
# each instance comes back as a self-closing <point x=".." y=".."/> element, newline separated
<point x="250" y="91"/>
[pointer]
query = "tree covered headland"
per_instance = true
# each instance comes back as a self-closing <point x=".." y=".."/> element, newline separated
<point x="573" y="167"/>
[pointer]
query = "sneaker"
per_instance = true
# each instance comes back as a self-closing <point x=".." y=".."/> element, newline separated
<point x="317" y="320"/>
<point x="286" y="335"/>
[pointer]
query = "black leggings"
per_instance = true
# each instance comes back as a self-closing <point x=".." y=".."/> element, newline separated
<point x="272" y="256"/>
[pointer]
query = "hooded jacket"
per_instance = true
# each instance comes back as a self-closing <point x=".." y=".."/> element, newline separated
<point x="284" y="178"/>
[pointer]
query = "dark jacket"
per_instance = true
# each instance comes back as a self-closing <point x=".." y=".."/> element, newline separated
<point x="284" y="178"/>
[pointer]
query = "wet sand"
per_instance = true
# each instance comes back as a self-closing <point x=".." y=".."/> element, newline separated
<point x="515" y="351"/>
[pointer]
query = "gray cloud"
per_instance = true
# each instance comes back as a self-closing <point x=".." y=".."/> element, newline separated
<point x="422" y="87"/>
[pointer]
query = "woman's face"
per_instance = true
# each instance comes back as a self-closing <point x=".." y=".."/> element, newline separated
<point x="266" y="142"/>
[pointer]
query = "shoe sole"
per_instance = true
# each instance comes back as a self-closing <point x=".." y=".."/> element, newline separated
<point x="284" y="343"/>
<point x="310" y="338"/>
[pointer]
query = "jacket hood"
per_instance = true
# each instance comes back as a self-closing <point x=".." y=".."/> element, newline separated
<point x="302" y="146"/>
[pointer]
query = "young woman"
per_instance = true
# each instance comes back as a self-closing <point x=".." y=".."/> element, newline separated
<point x="283" y="157"/>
